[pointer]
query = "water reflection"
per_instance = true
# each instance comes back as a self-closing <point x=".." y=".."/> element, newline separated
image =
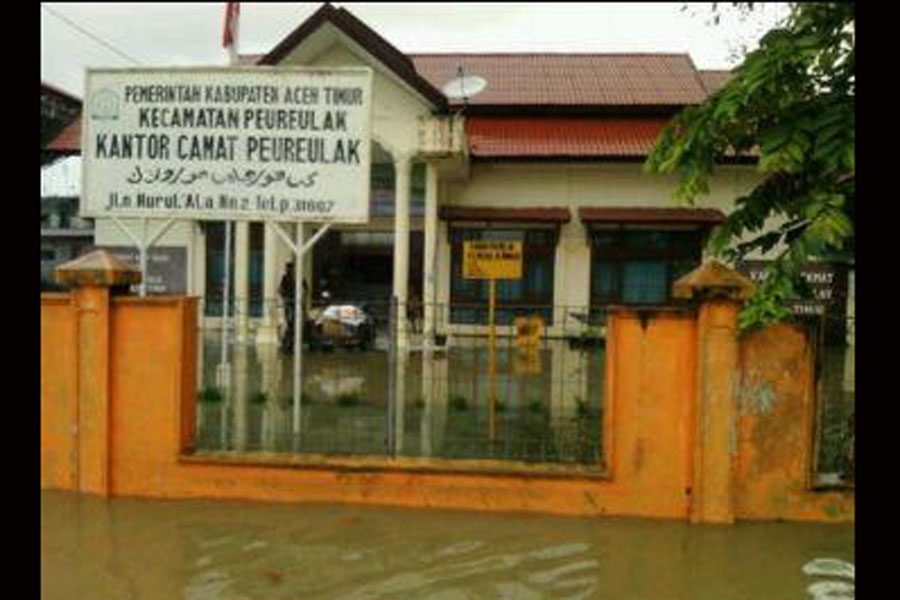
<point x="217" y="550"/>
<point x="542" y="406"/>
<point x="831" y="589"/>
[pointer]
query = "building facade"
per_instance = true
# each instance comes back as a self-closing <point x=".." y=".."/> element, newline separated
<point x="545" y="149"/>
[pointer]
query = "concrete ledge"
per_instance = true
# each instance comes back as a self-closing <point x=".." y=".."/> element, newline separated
<point x="423" y="465"/>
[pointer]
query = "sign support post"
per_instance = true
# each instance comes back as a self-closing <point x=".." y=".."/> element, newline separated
<point x="298" y="249"/>
<point x="143" y="245"/>
<point x="492" y="343"/>
<point x="224" y="374"/>
<point x="492" y="260"/>
<point x="299" y="321"/>
<point x="197" y="144"/>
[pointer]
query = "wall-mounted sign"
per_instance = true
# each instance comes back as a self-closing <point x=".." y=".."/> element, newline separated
<point x="827" y="282"/>
<point x="228" y="143"/>
<point x="166" y="267"/>
<point x="492" y="260"/>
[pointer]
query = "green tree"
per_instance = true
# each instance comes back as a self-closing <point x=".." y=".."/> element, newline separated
<point x="789" y="105"/>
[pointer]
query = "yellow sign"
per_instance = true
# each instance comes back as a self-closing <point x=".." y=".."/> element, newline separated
<point x="529" y="331"/>
<point x="528" y="340"/>
<point x="492" y="260"/>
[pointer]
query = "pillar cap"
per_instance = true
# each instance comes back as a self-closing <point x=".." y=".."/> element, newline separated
<point x="713" y="279"/>
<point x="98" y="268"/>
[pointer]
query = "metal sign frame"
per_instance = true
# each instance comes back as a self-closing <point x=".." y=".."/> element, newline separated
<point x="106" y="103"/>
<point x="277" y="156"/>
<point x="492" y="260"/>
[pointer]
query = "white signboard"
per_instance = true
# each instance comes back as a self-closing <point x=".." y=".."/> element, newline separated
<point x="228" y="143"/>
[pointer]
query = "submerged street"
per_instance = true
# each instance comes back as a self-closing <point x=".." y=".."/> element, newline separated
<point x="216" y="550"/>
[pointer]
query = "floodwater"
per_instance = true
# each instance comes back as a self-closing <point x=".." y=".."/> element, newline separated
<point x="141" y="549"/>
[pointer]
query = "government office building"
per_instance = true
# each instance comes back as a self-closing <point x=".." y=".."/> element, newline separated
<point x="546" y="149"/>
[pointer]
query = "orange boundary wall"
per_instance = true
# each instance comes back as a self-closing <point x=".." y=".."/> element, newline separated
<point x="678" y="444"/>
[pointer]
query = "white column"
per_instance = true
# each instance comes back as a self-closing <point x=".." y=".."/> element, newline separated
<point x="197" y="275"/>
<point x="241" y="279"/>
<point x="429" y="262"/>
<point x="308" y="232"/>
<point x="435" y="386"/>
<point x="272" y="268"/>
<point x="402" y="168"/>
<point x="271" y="366"/>
<point x="197" y="287"/>
<point x="239" y="398"/>
<point x="401" y="365"/>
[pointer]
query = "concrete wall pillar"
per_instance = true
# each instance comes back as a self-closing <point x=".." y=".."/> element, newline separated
<point x="716" y="412"/>
<point x="92" y="307"/>
<point x="92" y="276"/>
<point x="720" y="292"/>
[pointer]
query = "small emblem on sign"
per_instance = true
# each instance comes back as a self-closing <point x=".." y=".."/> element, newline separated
<point x="105" y="106"/>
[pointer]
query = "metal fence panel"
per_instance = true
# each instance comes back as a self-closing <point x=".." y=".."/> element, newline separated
<point x="535" y="400"/>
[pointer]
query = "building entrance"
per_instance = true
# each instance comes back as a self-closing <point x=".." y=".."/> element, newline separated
<point x="357" y="266"/>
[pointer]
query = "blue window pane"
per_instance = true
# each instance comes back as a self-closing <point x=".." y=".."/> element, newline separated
<point x="509" y="290"/>
<point x="604" y="279"/>
<point x="646" y="239"/>
<point x="538" y="275"/>
<point x="644" y="282"/>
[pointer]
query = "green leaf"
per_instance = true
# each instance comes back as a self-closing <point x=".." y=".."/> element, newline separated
<point x="793" y="99"/>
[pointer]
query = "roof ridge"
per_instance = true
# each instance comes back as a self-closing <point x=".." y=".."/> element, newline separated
<point x="548" y="53"/>
<point x="373" y="43"/>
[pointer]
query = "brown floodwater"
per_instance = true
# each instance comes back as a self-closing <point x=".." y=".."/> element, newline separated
<point x="126" y="548"/>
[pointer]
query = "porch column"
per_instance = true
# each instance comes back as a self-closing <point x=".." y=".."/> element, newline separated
<point x="241" y="279"/>
<point x="268" y="328"/>
<point x="429" y="262"/>
<point x="402" y="169"/>
<point x="238" y="399"/>
<point x="197" y="276"/>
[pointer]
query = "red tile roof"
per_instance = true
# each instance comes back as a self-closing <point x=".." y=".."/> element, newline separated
<point x="583" y="80"/>
<point x="562" y="137"/>
<point x="562" y="79"/>
<point x="714" y="80"/>
<point x="490" y="137"/>
<point x="67" y="141"/>
<point x="570" y="79"/>
<point x="588" y="83"/>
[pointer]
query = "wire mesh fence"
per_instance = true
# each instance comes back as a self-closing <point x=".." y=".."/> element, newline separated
<point x="535" y="394"/>
<point x="834" y="343"/>
<point x="528" y="396"/>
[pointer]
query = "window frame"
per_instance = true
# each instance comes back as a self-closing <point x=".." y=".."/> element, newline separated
<point x="619" y="252"/>
<point x="476" y="297"/>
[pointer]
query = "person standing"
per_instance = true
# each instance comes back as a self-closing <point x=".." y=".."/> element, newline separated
<point x="286" y="291"/>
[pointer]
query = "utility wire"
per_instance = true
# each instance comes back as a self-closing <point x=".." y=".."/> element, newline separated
<point x="91" y="35"/>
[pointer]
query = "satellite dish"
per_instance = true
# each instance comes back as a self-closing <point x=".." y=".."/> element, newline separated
<point x="465" y="86"/>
